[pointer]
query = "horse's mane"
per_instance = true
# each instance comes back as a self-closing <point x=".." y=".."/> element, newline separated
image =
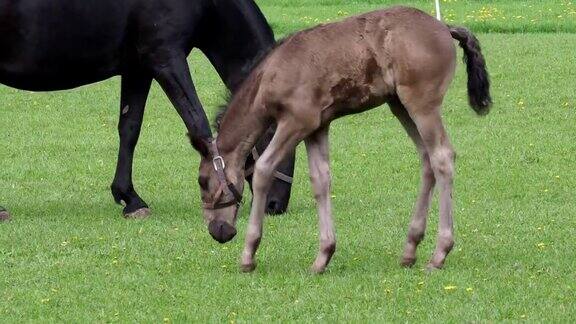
<point x="245" y="74"/>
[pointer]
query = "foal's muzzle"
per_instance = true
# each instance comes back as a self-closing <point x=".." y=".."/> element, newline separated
<point x="221" y="231"/>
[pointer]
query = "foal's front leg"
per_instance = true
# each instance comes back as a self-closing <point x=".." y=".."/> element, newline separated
<point x="284" y="141"/>
<point x="317" y="147"/>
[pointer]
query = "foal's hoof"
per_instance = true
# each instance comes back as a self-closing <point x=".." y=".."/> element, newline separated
<point x="408" y="262"/>
<point x="248" y="267"/>
<point x="316" y="269"/>
<point x="4" y="215"/>
<point x="141" y="213"/>
<point x="432" y="267"/>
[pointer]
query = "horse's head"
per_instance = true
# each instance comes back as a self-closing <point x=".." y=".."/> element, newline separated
<point x="220" y="190"/>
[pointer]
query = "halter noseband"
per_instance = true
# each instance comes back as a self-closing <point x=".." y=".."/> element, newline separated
<point x="226" y="187"/>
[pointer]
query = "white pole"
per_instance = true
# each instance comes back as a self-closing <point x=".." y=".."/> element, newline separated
<point x="438" y="15"/>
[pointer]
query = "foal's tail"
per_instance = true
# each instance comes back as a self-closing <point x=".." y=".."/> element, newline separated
<point x="478" y="80"/>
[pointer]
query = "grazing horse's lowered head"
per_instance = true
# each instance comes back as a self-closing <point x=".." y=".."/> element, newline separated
<point x="400" y="56"/>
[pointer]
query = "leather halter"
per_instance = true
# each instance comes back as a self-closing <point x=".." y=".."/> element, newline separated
<point x="226" y="187"/>
<point x="277" y="174"/>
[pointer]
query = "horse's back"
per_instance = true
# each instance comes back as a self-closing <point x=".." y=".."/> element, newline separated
<point x="358" y="63"/>
<point x="61" y="44"/>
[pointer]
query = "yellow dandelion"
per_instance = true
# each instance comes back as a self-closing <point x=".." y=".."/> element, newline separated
<point x="450" y="288"/>
<point x="469" y="289"/>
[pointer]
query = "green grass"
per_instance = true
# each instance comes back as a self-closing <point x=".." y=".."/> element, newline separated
<point x="502" y="16"/>
<point x="69" y="256"/>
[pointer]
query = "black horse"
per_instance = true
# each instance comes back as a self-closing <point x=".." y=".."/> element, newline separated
<point x="62" y="44"/>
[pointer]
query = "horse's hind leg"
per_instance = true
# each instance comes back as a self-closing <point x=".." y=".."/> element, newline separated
<point x="135" y="88"/>
<point x="442" y="157"/>
<point x="417" y="227"/>
<point x="317" y="146"/>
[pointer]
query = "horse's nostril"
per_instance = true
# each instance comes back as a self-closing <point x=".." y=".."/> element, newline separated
<point x="221" y="231"/>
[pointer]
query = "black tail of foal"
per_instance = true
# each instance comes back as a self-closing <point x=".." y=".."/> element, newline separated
<point x="478" y="79"/>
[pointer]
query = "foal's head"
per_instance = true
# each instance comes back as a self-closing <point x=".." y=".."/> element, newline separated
<point x="221" y="193"/>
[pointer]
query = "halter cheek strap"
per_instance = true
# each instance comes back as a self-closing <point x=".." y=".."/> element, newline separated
<point x="225" y="187"/>
<point x="277" y="174"/>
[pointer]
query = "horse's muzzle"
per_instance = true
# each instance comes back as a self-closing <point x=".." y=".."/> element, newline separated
<point x="275" y="207"/>
<point x="221" y="231"/>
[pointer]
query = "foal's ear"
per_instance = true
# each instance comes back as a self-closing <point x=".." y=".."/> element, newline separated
<point x="201" y="145"/>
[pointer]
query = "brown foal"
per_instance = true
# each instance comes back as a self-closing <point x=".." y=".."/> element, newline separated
<point x="400" y="56"/>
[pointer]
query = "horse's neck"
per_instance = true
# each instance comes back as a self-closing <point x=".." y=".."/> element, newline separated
<point x="243" y="34"/>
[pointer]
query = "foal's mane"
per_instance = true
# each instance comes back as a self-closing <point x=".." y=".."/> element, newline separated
<point x="245" y="76"/>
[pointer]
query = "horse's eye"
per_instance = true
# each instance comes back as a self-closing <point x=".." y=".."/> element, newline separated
<point x="203" y="182"/>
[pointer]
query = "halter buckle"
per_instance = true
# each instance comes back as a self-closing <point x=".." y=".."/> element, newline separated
<point x="218" y="161"/>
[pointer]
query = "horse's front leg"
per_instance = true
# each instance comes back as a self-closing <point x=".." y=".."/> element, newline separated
<point x="173" y="74"/>
<point x="278" y="195"/>
<point x="135" y="88"/>
<point x="284" y="141"/>
<point x="317" y="147"/>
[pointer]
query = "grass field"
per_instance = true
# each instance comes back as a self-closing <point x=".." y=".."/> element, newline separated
<point x="69" y="256"/>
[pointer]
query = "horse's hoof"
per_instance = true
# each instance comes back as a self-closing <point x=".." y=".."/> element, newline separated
<point x="248" y="267"/>
<point x="408" y="262"/>
<point x="431" y="267"/>
<point x="141" y="213"/>
<point x="318" y="269"/>
<point x="4" y="216"/>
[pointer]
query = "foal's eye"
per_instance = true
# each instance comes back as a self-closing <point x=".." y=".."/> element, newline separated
<point x="203" y="182"/>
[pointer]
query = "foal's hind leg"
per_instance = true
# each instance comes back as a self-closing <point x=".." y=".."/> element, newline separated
<point x="317" y="146"/>
<point x="283" y="142"/>
<point x="418" y="223"/>
<point x="135" y="88"/>
<point x="442" y="157"/>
